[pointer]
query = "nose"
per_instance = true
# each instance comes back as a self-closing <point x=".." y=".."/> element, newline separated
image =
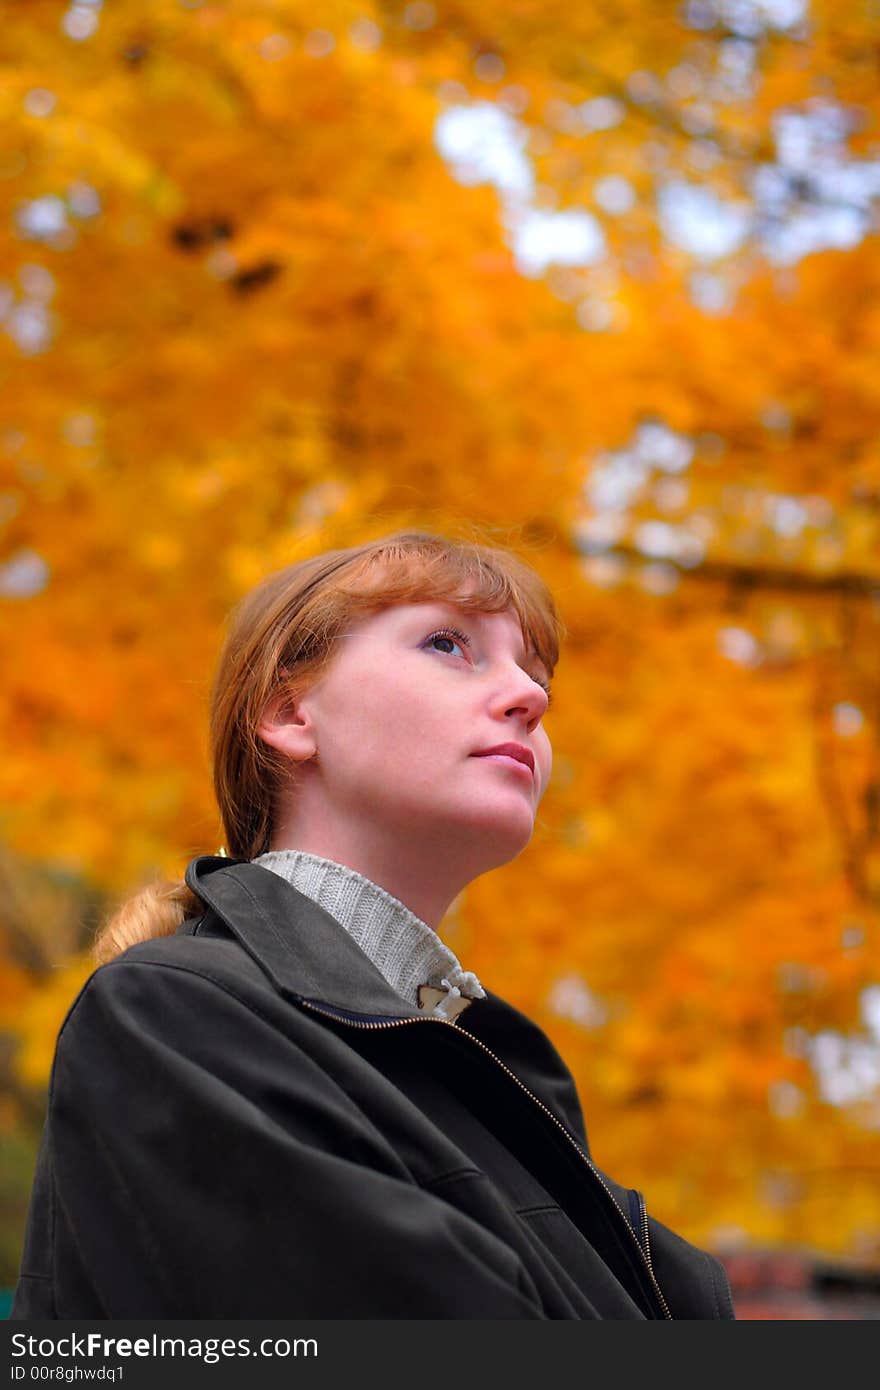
<point x="522" y="695"/>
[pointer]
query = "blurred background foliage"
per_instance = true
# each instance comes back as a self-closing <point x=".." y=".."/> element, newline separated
<point x="600" y="279"/>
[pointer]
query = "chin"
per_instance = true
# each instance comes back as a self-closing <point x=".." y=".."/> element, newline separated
<point x="503" y="833"/>
<point x="490" y="834"/>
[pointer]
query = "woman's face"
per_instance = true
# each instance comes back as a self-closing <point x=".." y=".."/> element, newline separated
<point x="398" y="721"/>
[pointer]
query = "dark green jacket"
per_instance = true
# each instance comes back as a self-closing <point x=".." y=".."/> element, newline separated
<point x="245" y="1120"/>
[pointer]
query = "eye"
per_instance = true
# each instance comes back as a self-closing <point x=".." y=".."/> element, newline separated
<point x="453" y="635"/>
<point x="448" y="634"/>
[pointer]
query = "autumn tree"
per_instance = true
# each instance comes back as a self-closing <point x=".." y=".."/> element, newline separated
<point x="600" y="280"/>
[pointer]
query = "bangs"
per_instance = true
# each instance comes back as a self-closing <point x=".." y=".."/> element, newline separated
<point x="413" y="567"/>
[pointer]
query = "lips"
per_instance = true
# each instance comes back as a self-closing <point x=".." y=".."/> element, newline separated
<point x="511" y="750"/>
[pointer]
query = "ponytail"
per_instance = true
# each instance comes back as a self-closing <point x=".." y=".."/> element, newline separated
<point x="159" y="909"/>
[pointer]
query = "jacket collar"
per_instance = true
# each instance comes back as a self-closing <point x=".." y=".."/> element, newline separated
<point x="308" y="955"/>
<point x="304" y="951"/>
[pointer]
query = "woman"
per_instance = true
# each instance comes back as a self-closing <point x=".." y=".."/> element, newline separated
<point x="282" y="1095"/>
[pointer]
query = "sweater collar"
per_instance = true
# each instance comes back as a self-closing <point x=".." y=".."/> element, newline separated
<point x="304" y="951"/>
<point x="403" y="948"/>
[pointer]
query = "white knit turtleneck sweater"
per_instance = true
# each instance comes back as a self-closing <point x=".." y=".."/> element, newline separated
<point x="403" y="948"/>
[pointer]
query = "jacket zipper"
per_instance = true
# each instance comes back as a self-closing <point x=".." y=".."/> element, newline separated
<point x="644" y="1212"/>
<point x="644" y="1254"/>
<point x="639" y="1222"/>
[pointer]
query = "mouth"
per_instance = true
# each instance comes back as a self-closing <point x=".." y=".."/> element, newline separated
<point x="514" y="754"/>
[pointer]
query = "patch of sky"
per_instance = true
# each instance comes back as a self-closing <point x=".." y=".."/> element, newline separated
<point x="489" y="67"/>
<point x="24" y="313"/>
<point x="661" y="447"/>
<point x="79" y="429"/>
<point x="606" y="571"/>
<point x="37" y="282"/>
<point x="83" y="200"/>
<point x="274" y="48"/>
<point x="571" y="998"/>
<point x="81" y="20"/>
<point x="643" y="87"/>
<point x="695" y="219"/>
<point x="746" y="18"/>
<point x="614" y="194"/>
<point x="814" y="195"/>
<point x="595" y="315"/>
<point x="595" y="534"/>
<point x="23" y="575"/>
<point x="319" y="502"/>
<point x="735" y="76"/>
<point x="847" y="1067"/>
<point x="540" y="238"/>
<point x="365" y="34"/>
<point x="785" y="1099"/>
<point x="43" y="218"/>
<point x="601" y="113"/>
<point x="46" y="218"/>
<point x="787" y="515"/>
<point x="740" y="646"/>
<point x="483" y="143"/>
<point x="697" y="118"/>
<point x="710" y="292"/>
<point x="670" y="494"/>
<point x="684" y="81"/>
<point x="615" y="480"/>
<point x="419" y="16"/>
<point x="651" y="467"/>
<point x="319" y="43"/>
<point x="870" y="1007"/>
<point x="848" y="720"/>
<point x="39" y="102"/>
<point x="657" y="578"/>
<point x="662" y="541"/>
<point x="29" y="325"/>
<point x="562" y="115"/>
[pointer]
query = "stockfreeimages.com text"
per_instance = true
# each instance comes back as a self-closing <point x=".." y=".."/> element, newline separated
<point x="208" y="1349"/>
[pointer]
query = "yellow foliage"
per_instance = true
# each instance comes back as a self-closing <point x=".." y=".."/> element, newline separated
<point x="273" y="321"/>
<point x="41" y="1017"/>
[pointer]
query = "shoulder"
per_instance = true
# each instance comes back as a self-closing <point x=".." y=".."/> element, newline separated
<point x="178" y="1023"/>
<point x="695" y="1282"/>
<point x="218" y="959"/>
<point x="210" y="957"/>
<point x="175" y="987"/>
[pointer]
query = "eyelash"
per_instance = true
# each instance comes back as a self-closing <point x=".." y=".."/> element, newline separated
<point x="463" y="638"/>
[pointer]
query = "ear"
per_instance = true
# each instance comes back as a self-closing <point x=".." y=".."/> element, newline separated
<point x="287" y="725"/>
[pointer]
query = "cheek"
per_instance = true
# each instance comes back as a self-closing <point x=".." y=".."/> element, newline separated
<point x="374" y="719"/>
<point x="371" y="718"/>
<point x="545" y="760"/>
